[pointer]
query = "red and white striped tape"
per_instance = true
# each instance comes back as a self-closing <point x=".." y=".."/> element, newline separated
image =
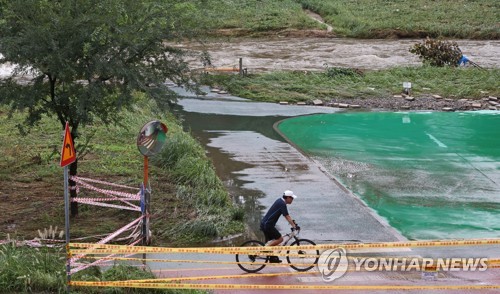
<point x="75" y="178"/>
<point x="93" y="200"/>
<point x="105" y="199"/>
<point x="108" y="238"/>
<point x="113" y="195"/>
<point x="106" y="191"/>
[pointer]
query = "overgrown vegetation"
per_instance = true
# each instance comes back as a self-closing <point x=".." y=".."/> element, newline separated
<point x="42" y="270"/>
<point x="437" y="52"/>
<point x="180" y="196"/>
<point x="333" y="72"/>
<point x="199" y="187"/>
<point x="182" y="210"/>
<point x="24" y="269"/>
<point x="409" y="18"/>
<point x="307" y="86"/>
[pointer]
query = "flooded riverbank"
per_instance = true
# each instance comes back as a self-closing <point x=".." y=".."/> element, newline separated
<point x="248" y="155"/>
<point x="257" y="165"/>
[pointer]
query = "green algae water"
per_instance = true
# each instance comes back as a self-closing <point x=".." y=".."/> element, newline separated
<point x="432" y="175"/>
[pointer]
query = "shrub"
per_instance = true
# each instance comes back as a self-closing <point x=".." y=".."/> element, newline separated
<point x="437" y="52"/>
<point x="238" y="214"/>
<point x="333" y="72"/>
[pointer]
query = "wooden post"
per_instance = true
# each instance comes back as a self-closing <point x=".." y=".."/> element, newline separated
<point x="146" y="162"/>
<point x="241" y="66"/>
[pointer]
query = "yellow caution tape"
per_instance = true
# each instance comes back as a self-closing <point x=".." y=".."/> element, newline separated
<point x="133" y="284"/>
<point x="238" y="276"/>
<point x="489" y="261"/>
<point x="120" y="249"/>
<point x="490" y="265"/>
<point x="235" y="276"/>
<point x="198" y="261"/>
<point x="97" y="255"/>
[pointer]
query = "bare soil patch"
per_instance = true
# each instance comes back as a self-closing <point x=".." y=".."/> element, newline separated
<point x="278" y="33"/>
<point x="36" y="205"/>
<point x="29" y="206"/>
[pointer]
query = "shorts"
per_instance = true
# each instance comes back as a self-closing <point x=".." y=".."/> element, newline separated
<point x="271" y="233"/>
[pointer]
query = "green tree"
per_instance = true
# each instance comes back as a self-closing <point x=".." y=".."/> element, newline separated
<point x="437" y="52"/>
<point x="81" y="60"/>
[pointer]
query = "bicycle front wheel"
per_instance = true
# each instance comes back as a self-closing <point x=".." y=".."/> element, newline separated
<point x="302" y="259"/>
<point x="252" y="263"/>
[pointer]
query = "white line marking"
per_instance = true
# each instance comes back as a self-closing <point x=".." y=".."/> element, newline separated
<point x="440" y="144"/>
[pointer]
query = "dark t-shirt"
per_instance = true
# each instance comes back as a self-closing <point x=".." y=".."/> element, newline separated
<point x="271" y="218"/>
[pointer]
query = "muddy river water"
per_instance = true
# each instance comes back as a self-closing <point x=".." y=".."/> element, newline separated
<point x="312" y="54"/>
<point x="315" y="53"/>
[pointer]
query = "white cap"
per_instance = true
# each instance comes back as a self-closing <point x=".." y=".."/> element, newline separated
<point x="289" y="194"/>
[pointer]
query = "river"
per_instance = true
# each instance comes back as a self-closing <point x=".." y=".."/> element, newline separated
<point x="313" y="54"/>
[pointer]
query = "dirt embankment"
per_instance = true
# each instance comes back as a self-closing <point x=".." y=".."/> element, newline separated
<point x="417" y="103"/>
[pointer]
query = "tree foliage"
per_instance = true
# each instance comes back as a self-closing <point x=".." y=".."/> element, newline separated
<point x="437" y="52"/>
<point x="81" y="60"/>
<point x="84" y="59"/>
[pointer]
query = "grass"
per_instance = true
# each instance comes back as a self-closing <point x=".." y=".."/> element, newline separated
<point x="42" y="270"/>
<point x="358" y="18"/>
<point x="198" y="187"/>
<point x="25" y="269"/>
<point x="405" y="18"/>
<point x="256" y="16"/>
<point x="304" y="87"/>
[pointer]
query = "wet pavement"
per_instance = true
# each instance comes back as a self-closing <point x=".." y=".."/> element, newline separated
<point x="281" y="275"/>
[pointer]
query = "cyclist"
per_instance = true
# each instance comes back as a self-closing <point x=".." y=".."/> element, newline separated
<point x="268" y="223"/>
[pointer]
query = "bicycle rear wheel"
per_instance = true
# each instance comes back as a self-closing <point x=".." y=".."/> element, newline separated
<point x="252" y="263"/>
<point x="304" y="259"/>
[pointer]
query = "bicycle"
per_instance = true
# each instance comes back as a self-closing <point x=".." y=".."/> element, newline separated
<point x="300" y="260"/>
